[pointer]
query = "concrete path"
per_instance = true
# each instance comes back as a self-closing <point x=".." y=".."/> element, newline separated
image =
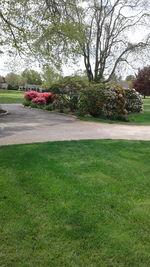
<point x="24" y="125"/>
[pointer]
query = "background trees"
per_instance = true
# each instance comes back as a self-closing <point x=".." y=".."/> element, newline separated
<point x="14" y="80"/>
<point x="27" y="77"/>
<point x="96" y="30"/>
<point x="49" y="77"/>
<point x="32" y="77"/>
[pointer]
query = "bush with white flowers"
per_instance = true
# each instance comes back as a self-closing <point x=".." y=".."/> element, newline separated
<point x="133" y="101"/>
<point x="102" y="99"/>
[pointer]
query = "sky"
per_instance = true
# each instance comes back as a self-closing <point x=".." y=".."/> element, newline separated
<point x="17" y="65"/>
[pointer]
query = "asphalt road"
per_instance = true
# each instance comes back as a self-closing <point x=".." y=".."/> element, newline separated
<point x="24" y="125"/>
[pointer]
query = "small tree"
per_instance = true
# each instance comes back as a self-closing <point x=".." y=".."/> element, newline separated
<point x="49" y="76"/>
<point x="129" y="79"/>
<point x="14" y="80"/>
<point x="142" y="81"/>
<point x="32" y="76"/>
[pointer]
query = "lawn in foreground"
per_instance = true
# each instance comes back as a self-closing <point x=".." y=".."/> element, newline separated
<point x="11" y="96"/>
<point x="78" y="203"/>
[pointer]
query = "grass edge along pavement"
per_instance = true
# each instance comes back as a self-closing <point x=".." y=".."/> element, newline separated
<point x="75" y="203"/>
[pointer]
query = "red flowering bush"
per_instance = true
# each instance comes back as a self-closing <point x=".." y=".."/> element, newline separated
<point x="28" y="96"/>
<point x="49" y="97"/>
<point x="39" y="100"/>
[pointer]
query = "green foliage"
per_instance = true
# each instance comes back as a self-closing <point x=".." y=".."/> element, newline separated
<point x="102" y="100"/>
<point x="130" y="78"/>
<point x="34" y="105"/>
<point x="32" y="77"/>
<point x="53" y="30"/>
<point x="69" y="85"/>
<point x="48" y="107"/>
<point x="26" y="103"/>
<point x="67" y="90"/>
<point x="133" y="101"/>
<point x="14" y="81"/>
<point x="49" y="77"/>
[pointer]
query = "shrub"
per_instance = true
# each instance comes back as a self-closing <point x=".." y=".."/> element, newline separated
<point x="48" y="96"/>
<point x="142" y="81"/>
<point x="133" y="101"/>
<point x="28" y="96"/>
<point x="69" y="85"/>
<point x="26" y="103"/>
<point x="66" y="90"/>
<point x="48" y="107"/>
<point x="34" y="105"/>
<point x="41" y="101"/>
<point x="102" y="99"/>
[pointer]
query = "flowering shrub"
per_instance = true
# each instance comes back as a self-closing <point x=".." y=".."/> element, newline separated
<point x="133" y="101"/>
<point x="39" y="100"/>
<point x="102" y="99"/>
<point x="28" y="96"/>
<point x="48" y="96"/>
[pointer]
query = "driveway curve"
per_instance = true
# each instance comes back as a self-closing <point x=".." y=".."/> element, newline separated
<point x="24" y="125"/>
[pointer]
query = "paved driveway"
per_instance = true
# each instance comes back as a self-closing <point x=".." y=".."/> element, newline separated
<point x="24" y="125"/>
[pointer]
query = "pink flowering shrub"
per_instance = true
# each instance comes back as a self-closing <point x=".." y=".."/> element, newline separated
<point x="48" y="96"/>
<point x="39" y="100"/>
<point x="28" y="96"/>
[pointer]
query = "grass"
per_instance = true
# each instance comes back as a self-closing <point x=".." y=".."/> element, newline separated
<point x="146" y="103"/>
<point x="11" y="96"/>
<point x="78" y="203"/>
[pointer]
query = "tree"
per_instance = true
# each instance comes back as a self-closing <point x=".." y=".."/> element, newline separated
<point x="13" y="24"/>
<point x="97" y="30"/>
<point x="49" y="77"/>
<point x="32" y="77"/>
<point x="14" y="80"/>
<point x="142" y="81"/>
<point x="129" y="79"/>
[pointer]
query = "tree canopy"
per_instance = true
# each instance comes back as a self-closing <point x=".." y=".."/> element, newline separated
<point x="97" y="30"/>
<point x="14" y="80"/>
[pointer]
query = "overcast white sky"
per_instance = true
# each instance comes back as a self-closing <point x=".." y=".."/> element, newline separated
<point x="17" y="65"/>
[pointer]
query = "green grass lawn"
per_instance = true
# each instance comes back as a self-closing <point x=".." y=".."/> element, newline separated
<point x="146" y="103"/>
<point x="11" y="96"/>
<point x="78" y="203"/>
